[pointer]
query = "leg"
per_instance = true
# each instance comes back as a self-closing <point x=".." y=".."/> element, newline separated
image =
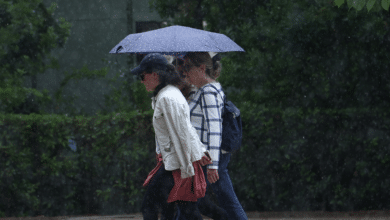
<point x="168" y="209"/>
<point x="223" y="188"/>
<point x="208" y="208"/>
<point x="152" y="197"/>
<point x="189" y="210"/>
<point x="157" y="194"/>
<point x="149" y="209"/>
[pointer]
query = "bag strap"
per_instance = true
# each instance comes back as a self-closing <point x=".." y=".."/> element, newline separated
<point x="224" y="99"/>
<point x="200" y="96"/>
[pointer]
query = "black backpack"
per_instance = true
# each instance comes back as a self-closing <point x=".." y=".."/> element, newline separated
<point x="231" y="126"/>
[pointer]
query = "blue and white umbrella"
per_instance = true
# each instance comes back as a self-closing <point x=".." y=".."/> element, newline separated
<point x="175" y="39"/>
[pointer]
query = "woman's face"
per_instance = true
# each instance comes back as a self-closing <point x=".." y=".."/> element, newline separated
<point x="150" y="81"/>
<point x="195" y="75"/>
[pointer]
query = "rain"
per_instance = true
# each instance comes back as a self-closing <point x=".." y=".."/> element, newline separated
<point x="308" y="82"/>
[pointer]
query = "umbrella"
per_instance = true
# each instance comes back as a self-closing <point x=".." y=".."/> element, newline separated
<point x="174" y="39"/>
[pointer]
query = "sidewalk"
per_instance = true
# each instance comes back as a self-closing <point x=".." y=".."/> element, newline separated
<point x="358" y="215"/>
<point x="273" y="216"/>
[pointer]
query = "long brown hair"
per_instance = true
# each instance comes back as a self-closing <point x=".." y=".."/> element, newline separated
<point x="199" y="58"/>
<point x="167" y="75"/>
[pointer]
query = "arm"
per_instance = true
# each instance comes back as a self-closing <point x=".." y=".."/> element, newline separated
<point x="212" y="106"/>
<point x="185" y="145"/>
<point x="158" y="152"/>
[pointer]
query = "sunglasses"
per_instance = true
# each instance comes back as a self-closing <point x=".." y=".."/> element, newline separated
<point x="187" y="67"/>
<point x="141" y="76"/>
<point x="183" y="66"/>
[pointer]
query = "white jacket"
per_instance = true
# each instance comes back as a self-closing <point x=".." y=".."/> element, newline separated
<point x="176" y="138"/>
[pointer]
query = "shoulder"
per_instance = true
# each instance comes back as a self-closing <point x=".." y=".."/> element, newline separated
<point x="212" y="89"/>
<point x="171" y="94"/>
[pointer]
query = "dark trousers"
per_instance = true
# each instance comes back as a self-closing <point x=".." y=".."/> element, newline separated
<point x="156" y="196"/>
<point x="208" y="208"/>
<point x="230" y="207"/>
<point x="223" y="188"/>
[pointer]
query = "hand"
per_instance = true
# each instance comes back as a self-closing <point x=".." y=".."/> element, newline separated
<point x="158" y="157"/>
<point x="205" y="159"/>
<point x="212" y="175"/>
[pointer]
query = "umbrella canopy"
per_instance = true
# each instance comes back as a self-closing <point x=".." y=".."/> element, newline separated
<point x="174" y="39"/>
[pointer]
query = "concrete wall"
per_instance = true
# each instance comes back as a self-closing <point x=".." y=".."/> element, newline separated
<point x="97" y="26"/>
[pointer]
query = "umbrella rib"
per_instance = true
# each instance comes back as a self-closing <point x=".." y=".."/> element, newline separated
<point x="211" y="36"/>
<point x="140" y="35"/>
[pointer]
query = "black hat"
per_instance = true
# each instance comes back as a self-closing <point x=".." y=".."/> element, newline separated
<point x="152" y="60"/>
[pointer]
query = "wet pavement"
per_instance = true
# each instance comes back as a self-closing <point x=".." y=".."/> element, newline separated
<point x="318" y="215"/>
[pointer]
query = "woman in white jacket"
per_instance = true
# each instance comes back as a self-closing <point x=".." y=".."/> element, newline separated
<point x="178" y="177"/>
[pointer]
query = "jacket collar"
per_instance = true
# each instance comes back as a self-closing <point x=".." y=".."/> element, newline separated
<point x="154" y="98"/>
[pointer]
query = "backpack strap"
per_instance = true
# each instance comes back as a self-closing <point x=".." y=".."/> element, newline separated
<point x="224" y="99"/>
<point x="228" y="105"/>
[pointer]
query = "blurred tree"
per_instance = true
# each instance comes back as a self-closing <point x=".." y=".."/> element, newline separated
<point x="359" y="4"/>
<point x="28" y="33"/>
<point x="313" y="89"/>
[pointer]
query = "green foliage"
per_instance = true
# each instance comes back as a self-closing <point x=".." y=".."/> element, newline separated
<point x="338" y="2"/>
<point x="359" y="4"/>
<point x="127" y="94"/>
<point x="313" y="89"/>
<point x="83" y="73"/>
<point x="385" y="4"/>
<point x="370" y="4"/>
<point x="28" y="33"/>
<point x="18" y="95"/>
<point x="41" y="175"/>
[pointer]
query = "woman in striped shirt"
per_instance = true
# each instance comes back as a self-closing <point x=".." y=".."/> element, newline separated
<point x="206" y="106"/>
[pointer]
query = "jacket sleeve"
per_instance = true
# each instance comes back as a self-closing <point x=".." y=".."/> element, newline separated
<point x="158" y="151"/>
<point x="187" y="144"/>
<point x="212" y="106"/>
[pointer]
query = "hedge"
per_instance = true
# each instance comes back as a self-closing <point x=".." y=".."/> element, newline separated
<point x="41" y="175"/>
<point x="341" y="166"/>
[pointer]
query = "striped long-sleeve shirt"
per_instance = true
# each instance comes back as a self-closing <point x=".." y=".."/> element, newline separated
<point x="206" y="106"/>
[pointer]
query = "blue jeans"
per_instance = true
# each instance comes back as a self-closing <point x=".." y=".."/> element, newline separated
<point x="223" y="188"/>
<point x="226" y="196"/>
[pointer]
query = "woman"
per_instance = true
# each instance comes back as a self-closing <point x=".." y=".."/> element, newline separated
<point x="179" y="176"/>
<point x="206" y="206"/>
<point x="206" y="106"/>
